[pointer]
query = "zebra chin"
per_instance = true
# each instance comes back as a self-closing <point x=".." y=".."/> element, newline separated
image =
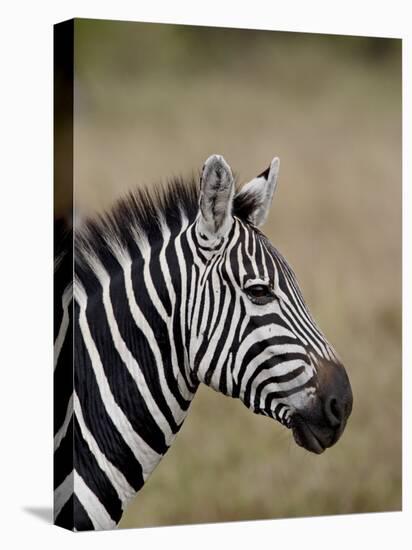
<point x="311" y="437"/>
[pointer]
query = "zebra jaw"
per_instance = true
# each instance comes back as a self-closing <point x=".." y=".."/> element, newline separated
<point x="281" y="413"/>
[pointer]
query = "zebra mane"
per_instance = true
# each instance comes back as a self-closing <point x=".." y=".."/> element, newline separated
<point x="145" y="209"/>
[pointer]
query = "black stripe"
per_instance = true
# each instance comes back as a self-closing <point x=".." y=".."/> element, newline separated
<point x="141" y="349"/>
<point x="202" y="298"/>
<point x="212" y="263"/>
<point x="233" y="349"/>
<point x="271" y="364"/>
<point x="178" y="338"/>
<point x="259" y="346"/>
<point x="109" y="440"/>
<point x="228" y="321"/>
<point x="269" y="319"/>
<point x="82" y="521"/>
<point x="258" y="258"/>
<point x="300" y="305"/>
<point x="277" y="410"/>
<point x="268" y="256"/>
<point x="124" y="388"/>
<point x="87" y="467"/>
<point x="286" y="276"/>
<point x="250" y="245"/>
<point x="280" y="394"/>
<point x="265" y="173"/>
<point x="296" y="319"/>
<point x="276" y="380"/>
<point x="212" y="305"/>
<point x="246" y="264"/>
<point x="300" y="330"/>
<point x="189" y="285"/>
<point x="63" y="380"/>
<point x="156" y="273"/>
<point x="206" y="340"/>
<point x="63" y="457"/>
<point x="292" y="322"/>
<point x="65" y="517"/>
<point x="133" y="402"/>
<point x="197" y="245"/>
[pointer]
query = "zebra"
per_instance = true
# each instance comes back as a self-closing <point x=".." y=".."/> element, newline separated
<point x="173" y="287"/>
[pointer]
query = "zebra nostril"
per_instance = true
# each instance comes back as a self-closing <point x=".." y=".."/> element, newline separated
<point x="334" y="411"/>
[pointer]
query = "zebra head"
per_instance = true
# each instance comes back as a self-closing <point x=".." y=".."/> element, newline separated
<point x="252" y="336"/>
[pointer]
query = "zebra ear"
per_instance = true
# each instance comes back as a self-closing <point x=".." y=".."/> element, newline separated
<point x="259" y="193"/>
<point x="216" y="197"/>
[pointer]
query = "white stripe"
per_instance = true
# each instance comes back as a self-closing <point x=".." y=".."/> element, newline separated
<point x="301" y="328"/>
<point x="275" y="270"/>
<point x="145" y="250"/>
<point x="183" y="386"/>
<point x="217" y="290"/>
<point x="252" y="256"/>
<point x="148" y="333"/>
<point x="164" y="228"/>
<point x="194" y="305"/>
<point x="281" y="368"/>
<point x="120" y="484"/>
<point x="235" y="317"/>
<point x="195" y="253"/>
<point x="193" y="283"/>
<point x="214" y="340"/>
<point x="264" y="256"/>
<point x="277" y="370"/>
<point x="63" y="428"/>
<point x="245" y="322"/>
<point x="66" y="299"/>
<point x="145" y="455"/>
<point x="240" y="266"/>
<point x="217" y="335"/>
<point x="298" y="400"/>
<point x="281" y="386"/>
<point x="183" y="269"/>
<point x="303" y="317"/>
<point x="284" y="308"/>
<point x="124" y="259"/>
<point x="127" y="357"/>
<point x="62" y="494"/>
<point x="262" y="333"/>
<point x="204" y="297"/>
<point x="97" y="513"/>
<point x="229" y="377"/>
<point x="223" y="357"/>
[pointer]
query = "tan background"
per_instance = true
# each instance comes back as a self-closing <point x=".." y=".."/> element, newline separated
<point x="153" y="101"/>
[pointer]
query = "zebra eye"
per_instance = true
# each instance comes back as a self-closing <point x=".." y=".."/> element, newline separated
<point x="260" y="294"/>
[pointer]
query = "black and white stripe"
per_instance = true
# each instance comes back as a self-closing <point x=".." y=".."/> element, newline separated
<point x="171" y="289"/>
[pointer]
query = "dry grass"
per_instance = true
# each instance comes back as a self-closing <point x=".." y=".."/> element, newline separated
<point x="335" y="122"/>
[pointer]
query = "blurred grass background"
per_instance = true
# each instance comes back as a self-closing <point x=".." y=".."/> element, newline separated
<point x="153" y="101"/>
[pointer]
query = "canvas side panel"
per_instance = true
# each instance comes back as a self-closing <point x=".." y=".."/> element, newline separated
<point x="63" y="273"/>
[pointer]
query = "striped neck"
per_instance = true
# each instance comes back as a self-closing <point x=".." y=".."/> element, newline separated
<point x="131" y="315"/>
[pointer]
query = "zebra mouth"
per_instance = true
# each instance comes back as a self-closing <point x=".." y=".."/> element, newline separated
<point x="304" y="434"/>
<point x="305" y="437"/>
